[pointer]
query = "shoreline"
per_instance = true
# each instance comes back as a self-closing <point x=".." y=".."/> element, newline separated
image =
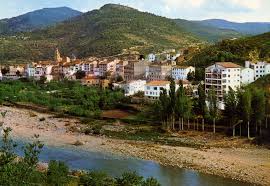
<point x="251" y="164"/>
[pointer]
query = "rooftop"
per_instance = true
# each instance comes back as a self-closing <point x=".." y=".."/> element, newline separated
<point x="228" y="65"/>
<point x="158" y="83"/>
<point x="181" y="67"/>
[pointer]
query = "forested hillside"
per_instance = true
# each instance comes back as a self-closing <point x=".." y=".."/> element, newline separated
<point x="36" y="19"/>
<point x="102" y="32"/>
<point x="234" y="50"/>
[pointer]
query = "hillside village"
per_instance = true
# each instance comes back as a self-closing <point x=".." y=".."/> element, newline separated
<point x="135" y="75"/>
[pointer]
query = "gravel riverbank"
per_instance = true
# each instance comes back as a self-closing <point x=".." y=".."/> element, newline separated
<point x="247" y="163"/>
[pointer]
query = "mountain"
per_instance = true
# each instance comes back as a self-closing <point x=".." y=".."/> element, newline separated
<point x="207" y="32"/>
<point x="249" y="28"/>
<point x="108" y="31"/>
<point x="237" y="50"/>
<point x="37" y="19"/>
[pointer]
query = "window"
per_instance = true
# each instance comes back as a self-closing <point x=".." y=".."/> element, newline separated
<point x="148" y="88"/>
<point x="155" y="88"/>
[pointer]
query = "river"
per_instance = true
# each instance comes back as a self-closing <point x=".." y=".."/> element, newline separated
<point x="76" y="158"/>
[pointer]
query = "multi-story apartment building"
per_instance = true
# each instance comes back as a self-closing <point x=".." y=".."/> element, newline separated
<point x="260" y="68"/>
<point x="221" y="76"/>
<point x="181" y="72"/>
<point x="120" y="68"/>
<point x="107" y="67"/>
<point x="157" y="72"/>
<point x="89" y="66"/>
<point x="135" y="70"/>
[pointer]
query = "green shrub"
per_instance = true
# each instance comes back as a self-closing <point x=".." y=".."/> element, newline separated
<point x="97" y="129"/>
<point x="57" y="173"/>
<point x="97" y="179"/>
<point x="130" y="179"/>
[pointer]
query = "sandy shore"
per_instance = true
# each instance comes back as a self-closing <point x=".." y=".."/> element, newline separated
<point x="250" y="164"/>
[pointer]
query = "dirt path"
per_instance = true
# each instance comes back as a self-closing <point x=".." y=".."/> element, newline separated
<point x="251" y="164"/>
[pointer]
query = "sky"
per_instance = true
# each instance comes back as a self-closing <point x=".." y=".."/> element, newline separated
<point x="232" y="10"/>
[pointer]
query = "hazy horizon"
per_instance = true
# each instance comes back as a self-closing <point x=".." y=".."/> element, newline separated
<point x="231" y="10"/>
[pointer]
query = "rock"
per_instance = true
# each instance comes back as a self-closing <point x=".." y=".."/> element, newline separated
<point x="78" y="143"/>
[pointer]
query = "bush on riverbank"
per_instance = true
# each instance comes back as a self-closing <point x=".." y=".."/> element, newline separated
<point x="25" y="171"/>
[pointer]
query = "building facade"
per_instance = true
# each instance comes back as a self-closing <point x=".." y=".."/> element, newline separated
<point x="247" y="76"/>
<point x="181" y="73"/>
<point x="158" y="72"/>
<point x="260" y="68"/>
<point x="221" y="77"/>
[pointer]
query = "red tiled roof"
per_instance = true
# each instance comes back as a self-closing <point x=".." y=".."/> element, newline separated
<point x="228" y="65"/>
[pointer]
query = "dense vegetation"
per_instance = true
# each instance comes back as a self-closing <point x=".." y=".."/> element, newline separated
<point x="64" y="97"/>
<point x="102" y="32"/>
<point x="25" y="171"/>
<point x="36" y="19"/>
<point x="234" y="51"/>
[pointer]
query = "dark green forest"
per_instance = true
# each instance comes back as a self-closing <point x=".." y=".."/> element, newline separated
<point x="237" y="51"/>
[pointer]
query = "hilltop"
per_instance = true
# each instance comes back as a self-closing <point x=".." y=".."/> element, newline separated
<point x="233" y="50"/>
<point x="208" y="33"/>
<point x="108" y="31"/>
<point x="37" y="19"/>
<point x="248" y="28"/>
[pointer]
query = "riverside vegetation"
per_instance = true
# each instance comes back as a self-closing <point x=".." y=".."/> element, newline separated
<point x="16" y="171"/>
<point x="246" y="110"/>
<point x="66" y="97"/>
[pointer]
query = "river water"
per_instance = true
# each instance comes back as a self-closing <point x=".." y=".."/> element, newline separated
<point x="77" y="158"/>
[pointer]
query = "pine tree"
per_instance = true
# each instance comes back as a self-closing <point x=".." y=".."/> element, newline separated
<point x="213" y="107"/>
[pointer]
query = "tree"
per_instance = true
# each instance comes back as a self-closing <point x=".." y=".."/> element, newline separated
<point x="42" y="79"/>
<point x="172" y="98"/>
<point x="164" y="104"/>
<point x="254" y="55"/>
<point x="180" y="105"/>
<point x="201" y="108"/>
<point x="231" y="106"/>
<point x="80" y="74"/>
<point x="199" y="74"/>
<point x="246" y="109"/>
<point x="191" y="76"/>
<point x="258" y="107"/>
<point x="18" y="73"/>
<point x="119" y="79"/>
<point x="213" y="107"/>
<point x="5" y="70"/>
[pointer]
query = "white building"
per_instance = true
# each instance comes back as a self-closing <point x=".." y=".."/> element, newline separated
<point x="133" y="87"/>
<point x="181" y="73"/>
<point x="153" y="89"/>
<point x="151" y="57"/>
<point x="247" y="76"/>
<point x="260" y="68"/>
<point x="30" y="71"/>
<point x="221" y="76"/>
<point x="1" y="76"/>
